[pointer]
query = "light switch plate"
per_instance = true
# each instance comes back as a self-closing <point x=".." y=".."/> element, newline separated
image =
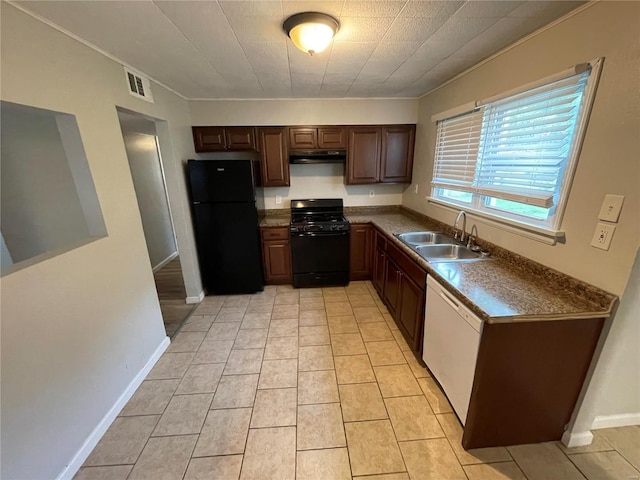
<point x="603" y="235"/>
<point x="372" y="193"/>
<point x="611" y="207"/>
<point x="278" y="199"/>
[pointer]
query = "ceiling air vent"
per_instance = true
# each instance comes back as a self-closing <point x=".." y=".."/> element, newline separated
<point x="139" y="86"/>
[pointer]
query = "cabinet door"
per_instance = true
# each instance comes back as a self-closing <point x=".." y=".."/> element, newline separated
<point x="392" y="286"/>
<point x="303" y="138"/>
<point x="397" y="153"/>
<point x="332" y="137"/>
<point x="274" y="156"/>
<point x="208" y="139"/>
<point x="360" y="254"/>
<point x="411" y="312"/>
<point x="363" y="155"/>
<point x="379" y="264"/>
<point x="240" y="138"/>
<point x="276" y="255"/>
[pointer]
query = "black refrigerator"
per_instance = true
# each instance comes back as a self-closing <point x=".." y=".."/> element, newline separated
<point x="227" y="207"/>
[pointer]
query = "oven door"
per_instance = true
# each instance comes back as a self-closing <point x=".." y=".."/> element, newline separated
<point x="320" y="258"/>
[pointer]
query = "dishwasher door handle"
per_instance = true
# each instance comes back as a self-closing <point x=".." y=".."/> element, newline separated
<point x="453" y="303"/>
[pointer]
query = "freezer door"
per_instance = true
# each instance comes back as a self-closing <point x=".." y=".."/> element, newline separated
<point x="229" y="247"/>
<point x="221" y="181"/>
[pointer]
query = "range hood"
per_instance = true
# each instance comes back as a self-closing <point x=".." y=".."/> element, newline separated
<point x="317" y="156"/>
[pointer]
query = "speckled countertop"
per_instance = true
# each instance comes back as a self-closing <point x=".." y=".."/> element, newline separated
<point x="276" y="221"/>
<point x="499" y="289"/>
<point x="505" y="288"/>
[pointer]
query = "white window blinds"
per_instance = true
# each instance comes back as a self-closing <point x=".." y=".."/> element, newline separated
<point x="457" y="145"/>
<point x="526" y="141"/>
<point x="515" y="148"/>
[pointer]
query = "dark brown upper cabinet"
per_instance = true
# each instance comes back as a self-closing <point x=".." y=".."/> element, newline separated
<point x="380" y="154"/>
<point x="332" y="137"/>
<point x="311" y="138"/>
<point x="274" y="156"/>
<point x="396" y="163"/>
<point x="220" y="139"/>
<point x="363" y="155"/>
<point x="303" y="138"/>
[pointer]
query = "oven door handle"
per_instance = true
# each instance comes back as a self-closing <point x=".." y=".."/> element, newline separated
<point x="319" y="234"/>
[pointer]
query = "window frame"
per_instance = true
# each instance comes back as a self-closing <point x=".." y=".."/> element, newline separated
<point x="549" y="230"/>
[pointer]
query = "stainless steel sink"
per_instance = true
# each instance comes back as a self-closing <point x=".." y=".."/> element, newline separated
<point x="425" y="238"/>
<point x="446" y="253"/>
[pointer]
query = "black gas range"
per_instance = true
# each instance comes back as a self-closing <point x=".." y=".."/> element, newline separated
<point x="319" y="243"/>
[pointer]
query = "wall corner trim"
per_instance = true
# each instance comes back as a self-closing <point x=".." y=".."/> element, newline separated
<point x="94" y="437"/>
<point x="578" y="439"/>
<point x="198" y="299"/>
<point x="611" y="421"/>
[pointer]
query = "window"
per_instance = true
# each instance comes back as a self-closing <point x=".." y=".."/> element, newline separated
<point x="511" y="157"/>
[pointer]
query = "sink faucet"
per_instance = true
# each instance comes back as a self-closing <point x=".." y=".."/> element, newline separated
<point x="464" y="226"/>
<point x="471" y="238"/>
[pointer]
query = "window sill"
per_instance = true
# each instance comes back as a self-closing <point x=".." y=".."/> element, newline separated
<point x="533" y="232"/>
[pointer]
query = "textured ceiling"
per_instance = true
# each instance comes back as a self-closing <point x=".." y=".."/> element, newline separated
<point x="237" y="49"/>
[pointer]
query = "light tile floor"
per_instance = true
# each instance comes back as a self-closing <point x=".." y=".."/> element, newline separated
<point x="315" y="384"/>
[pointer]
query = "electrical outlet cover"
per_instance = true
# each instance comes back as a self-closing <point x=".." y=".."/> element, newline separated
<point x="611" y="207"/>
<point x="603" y="235"/>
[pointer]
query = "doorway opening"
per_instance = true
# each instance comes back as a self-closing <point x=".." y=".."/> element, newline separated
<point x="145" y="162"/>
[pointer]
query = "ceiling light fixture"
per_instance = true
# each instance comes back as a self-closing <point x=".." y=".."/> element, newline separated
<point x="311" y="32"/>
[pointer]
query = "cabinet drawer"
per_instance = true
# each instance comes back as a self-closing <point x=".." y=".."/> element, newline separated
<point x="410" y="267"/>
<point x="275" y="233"/>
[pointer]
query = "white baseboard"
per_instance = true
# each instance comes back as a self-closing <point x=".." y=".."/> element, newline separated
<point x="579" y="439"/>
<point x="164" y="262"/>
<point x="198" y="299"/>
<point x="611" y="421"/>
<point x="94" y="437"/>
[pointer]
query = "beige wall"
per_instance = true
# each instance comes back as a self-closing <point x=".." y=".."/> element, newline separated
<point x="609" y="163"/>
<point x="309" y="181"/>
<point x="77" y="328"/>
<point x="609" y="160"/>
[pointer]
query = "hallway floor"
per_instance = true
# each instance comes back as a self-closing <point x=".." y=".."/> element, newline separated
<point x="315" y="384"/>
<point x="172" y="296"/>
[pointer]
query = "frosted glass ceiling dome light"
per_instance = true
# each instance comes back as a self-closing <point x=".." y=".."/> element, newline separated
<point x="311" y="32"/>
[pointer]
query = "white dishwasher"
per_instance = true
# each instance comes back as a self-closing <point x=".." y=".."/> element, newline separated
<point x="450" y="345"/>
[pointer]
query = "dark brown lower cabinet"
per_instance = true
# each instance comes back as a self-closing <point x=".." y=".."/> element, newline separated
<point x="527" y="381"/>
<point x="411" y="314"/>
<point x="361" y="246"/>
<point x="379" y="261"/>
<point x="391" y="287"/>
<point x="401" y="283"/>
<point x="276" y="255"/>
